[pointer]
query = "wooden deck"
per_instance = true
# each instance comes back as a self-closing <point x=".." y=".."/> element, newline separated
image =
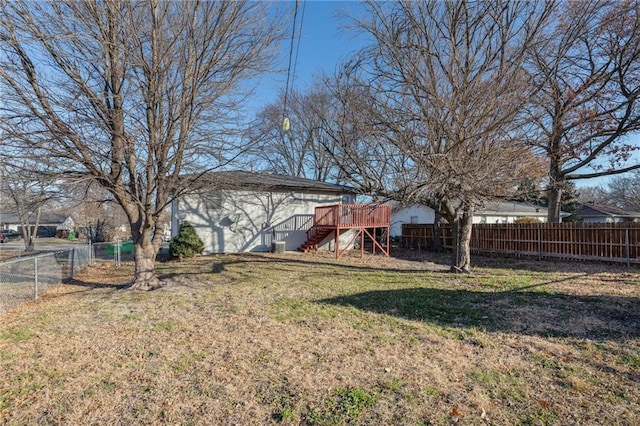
<point x="348" y="216"/>
<point x="366" y="219"/>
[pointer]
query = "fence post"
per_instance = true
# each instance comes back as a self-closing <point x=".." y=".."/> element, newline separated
<point x="628" y="246"/>
<point x="73" y="261"/>
<point x="539" y="242"/>
<point x="35" y="263"/>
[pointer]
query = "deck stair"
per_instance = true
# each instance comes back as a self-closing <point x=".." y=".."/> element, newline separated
<point x="315" y="235"/>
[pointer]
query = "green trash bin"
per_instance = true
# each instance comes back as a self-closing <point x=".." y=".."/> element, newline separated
<point x="125" y="247"/>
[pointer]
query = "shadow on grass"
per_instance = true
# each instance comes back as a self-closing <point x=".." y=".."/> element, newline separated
<point x="428" y="262"/>
<point x="220" y="264"/>
<point x="522" y="312"/>
<point x="97" y="285"/>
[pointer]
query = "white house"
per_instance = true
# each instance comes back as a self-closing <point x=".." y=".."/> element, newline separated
<point x="494" y="212"/>
<point x="243" y="211"/>
<point x="597" y="213"/>
<point x="510" y="211"/>
<point x="415" y="213"/>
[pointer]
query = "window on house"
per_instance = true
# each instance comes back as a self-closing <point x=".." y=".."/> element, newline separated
<point x="213" y="201"/>
<point x="414" y="219"/>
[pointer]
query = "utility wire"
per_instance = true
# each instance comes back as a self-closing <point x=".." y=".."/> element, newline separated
<point x="291" y="75"/>
<point x="295" y="63"/>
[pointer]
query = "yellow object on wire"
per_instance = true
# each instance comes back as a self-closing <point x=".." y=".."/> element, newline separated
<point x="291" y="69"/>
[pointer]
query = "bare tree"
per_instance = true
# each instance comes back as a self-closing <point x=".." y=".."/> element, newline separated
<point x="94" y="210"/>
<point x="133" y="95"/>
<point x="444" y="83"/>
<point x="300" y="150"/>
<point x="351" y="142"/>
<point x="30" y="188"/>
<point x="587" y="65"/>
<point x="621" y="191"/>
<point x="593" y="195"/>
<point x="624" y="191"/>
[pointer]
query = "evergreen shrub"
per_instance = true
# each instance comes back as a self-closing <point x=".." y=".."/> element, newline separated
<point x="187" y="243"/>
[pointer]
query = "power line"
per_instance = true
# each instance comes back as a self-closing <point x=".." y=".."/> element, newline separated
<point x="292" y="75"/>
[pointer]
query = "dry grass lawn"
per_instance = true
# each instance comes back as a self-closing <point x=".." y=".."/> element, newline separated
<point x="306" y="339"/>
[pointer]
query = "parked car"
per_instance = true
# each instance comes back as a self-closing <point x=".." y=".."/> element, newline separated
<point x="8" y="235"/>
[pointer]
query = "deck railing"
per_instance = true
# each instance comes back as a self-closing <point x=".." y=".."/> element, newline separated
<point x="352" y="216"/>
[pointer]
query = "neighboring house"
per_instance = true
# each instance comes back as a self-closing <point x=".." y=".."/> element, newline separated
<point x="48" y="225"/>
<point x="493" y="212"/>
<point x="247" y="211"/>
<point x="414" y="213"/>
<point x="597" y="213"/>
<point x="66" y="228"/>
<point x="510" y="211"/>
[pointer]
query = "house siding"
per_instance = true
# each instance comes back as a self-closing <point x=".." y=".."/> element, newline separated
<point x="425" y="215"/>
<point x="603" y="219"/>
<point x="422" y="214"/>
<point x="234" y="221"/>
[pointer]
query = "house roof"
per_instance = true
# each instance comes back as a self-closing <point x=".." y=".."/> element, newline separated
<point x="239" y="179"/>
<point x="510" y="208"/>
<point x="599" y="210"/>
<point x="10" y="217"/>
<point x="499" y="208"/>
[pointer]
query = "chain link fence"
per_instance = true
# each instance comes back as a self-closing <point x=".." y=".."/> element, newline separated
<point x="116" y="252"/>
<point x="28" y="277"/>
<point x="11" y="252"/>
<point x="25" y="276"/>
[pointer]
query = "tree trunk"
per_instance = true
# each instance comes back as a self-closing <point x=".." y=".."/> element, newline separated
<point x="437" y="241"/>
<point x="461" y="254"/>
<point x="556" y="177"/>
<point x="555" y="203"/>
<point x="145" y="252"/>
<point x="30" y="245"/>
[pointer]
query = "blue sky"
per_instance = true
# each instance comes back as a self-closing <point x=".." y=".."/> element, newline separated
<point x="323" y="44"/>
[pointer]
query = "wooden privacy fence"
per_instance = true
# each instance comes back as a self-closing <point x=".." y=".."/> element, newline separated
<point x="615" y="242"/>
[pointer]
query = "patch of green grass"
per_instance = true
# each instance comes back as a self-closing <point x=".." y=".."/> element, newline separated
<point x="545" y="361"/>
<point x="26" y="386"/>
<point x="292" y="309"/>
<point x="108" y="385"/>
<point x="17" y="334"/>
<point x="287" y="414"/>
<point x="498" y="384"/>
<point x="134" y="316"/>
<point x="432" y="391"/>
<point x="541" y="417"/>
<point x="630" y="358"/>
<point x="343" y="406"/>
<point x="164" y="326"/>
<point x="283" y="401"/>
<point x="394" y="385"/>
